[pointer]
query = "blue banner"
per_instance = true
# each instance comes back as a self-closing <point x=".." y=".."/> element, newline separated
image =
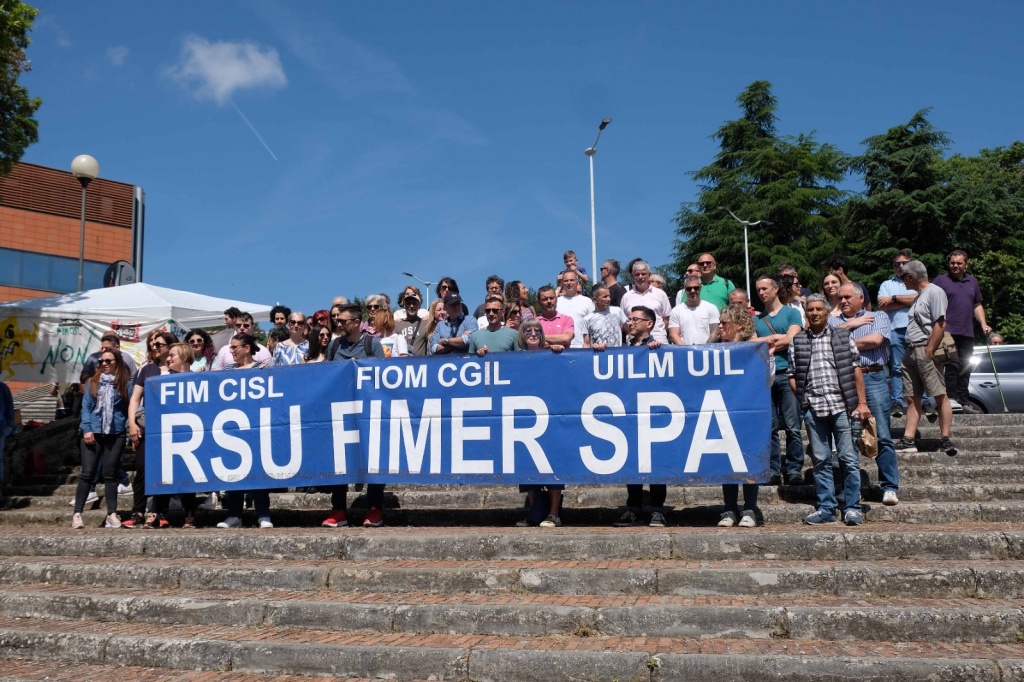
<point x="677" y="414"/>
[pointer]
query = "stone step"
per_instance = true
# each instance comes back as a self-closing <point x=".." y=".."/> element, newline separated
<point x="928" y="488"/>
<point x="983" y="541"/>
<point x="961" y="419"/>
<point x="698" y="515"/>
<point x="790" y="616"/>
<point x="54" y="671"/>
<point x="579" y="655"/>
<point x="885" y="578"/>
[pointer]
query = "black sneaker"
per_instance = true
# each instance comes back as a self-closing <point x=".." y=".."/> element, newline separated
<point x="931" y="414"/>
<point x="948" y="447"/>
<point x="971" y="408"/>
<point x="906" y="445"/>
<point x="776" y="479"/>
<point x="896" y="412"/>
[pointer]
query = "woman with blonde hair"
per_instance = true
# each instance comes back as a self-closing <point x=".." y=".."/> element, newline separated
<point x="394" y="344"/>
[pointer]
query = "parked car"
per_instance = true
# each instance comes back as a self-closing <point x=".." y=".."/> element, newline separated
<point x="1009" y="367"/>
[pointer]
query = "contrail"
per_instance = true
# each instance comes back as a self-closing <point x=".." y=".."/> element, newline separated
<point x="253" y="129"/>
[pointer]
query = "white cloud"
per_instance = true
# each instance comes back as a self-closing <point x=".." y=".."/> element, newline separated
<point x="216" y="70"/>
<point x="117" y="55"/>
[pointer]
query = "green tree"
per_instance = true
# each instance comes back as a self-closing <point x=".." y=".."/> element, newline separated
<point x="18" y="127"/>
<point x="790" y="181"/>
<point x="904" y="205"/>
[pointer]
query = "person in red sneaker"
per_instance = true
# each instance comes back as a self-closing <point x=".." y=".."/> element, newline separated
<point x="352" y="344"/>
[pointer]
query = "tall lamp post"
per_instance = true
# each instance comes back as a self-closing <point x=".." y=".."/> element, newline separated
<point x="86" y="169"/>
<point x="427" y="285"/>
<point x="590" y="151"/>
<point x="746" y="247"/>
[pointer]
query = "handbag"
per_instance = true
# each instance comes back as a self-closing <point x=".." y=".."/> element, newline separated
<point x="946" y="350"/>
<point x="868" y="441"/>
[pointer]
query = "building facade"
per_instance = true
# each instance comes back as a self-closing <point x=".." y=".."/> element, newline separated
<point x="40" y="226"/>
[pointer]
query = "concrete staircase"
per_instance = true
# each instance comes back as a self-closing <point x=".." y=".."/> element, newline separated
<point x="931" y="589"/>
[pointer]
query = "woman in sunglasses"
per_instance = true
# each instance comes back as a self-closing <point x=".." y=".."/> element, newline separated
<point x="374" y="304"/>
<point x="319" y="340"/>
<point x="202" y="348"/>
<point x="243" y="347"/>
<point x="292" y="350"/>
<point x="159" y="347"/>
<point x="104" y="416"/>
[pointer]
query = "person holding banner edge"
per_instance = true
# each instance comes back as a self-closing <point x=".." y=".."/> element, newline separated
<point x="243" y="348"/>
<point x="641" y="325"/>
<point x="352" y="344"/>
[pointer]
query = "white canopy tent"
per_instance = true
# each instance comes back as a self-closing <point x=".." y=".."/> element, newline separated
<point x="48" y="339"/>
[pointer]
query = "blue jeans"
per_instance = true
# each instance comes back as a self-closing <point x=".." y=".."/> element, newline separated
<point x="784" y="403"/>
<point x="876" y="389"/>
<point x="818" y="430"/>
<point x="897" y="348"/>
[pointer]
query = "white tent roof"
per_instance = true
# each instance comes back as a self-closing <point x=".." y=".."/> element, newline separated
<point x="137" y="301"/>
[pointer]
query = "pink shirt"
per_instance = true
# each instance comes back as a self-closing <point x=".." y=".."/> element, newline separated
<point x="559" y="324"/>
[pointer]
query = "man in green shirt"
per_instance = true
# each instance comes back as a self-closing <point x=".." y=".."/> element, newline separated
<point x="714" y="289"/>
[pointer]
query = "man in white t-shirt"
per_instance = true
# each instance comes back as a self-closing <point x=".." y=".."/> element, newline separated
<point x="643" y="293"/>
<point x="693" y="321"/>
<point x="603" y="328"/>
<point x="575" y="305"/>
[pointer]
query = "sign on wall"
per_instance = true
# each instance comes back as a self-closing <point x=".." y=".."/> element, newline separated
<point x="690" y="414"/>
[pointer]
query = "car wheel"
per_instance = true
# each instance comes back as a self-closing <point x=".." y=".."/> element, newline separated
<point x="978" y="404"/>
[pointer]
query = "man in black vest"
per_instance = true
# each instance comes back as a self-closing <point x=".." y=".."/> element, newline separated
<point x="825" y="375"/>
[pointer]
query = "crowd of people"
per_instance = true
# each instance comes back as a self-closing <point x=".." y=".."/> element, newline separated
<point x="839" y="365"/>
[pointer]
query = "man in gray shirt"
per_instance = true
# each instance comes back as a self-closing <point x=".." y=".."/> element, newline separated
<point x="925" y="326"/>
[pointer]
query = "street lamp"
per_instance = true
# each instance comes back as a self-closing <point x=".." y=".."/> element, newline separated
<point x="746" y="248"/>
<point x="86" y="169"/>
<point x="427" y="285"/>
<point x="590" y="151"/>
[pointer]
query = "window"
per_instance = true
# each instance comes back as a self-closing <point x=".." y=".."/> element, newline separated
<point x="31" y="270"/>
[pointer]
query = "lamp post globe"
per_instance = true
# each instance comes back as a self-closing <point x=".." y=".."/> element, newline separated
<point x="85" y="169"/>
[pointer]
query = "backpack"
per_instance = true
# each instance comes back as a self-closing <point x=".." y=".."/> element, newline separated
<point x="332" y="349"/>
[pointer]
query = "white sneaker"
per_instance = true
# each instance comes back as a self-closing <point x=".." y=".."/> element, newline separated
<point x="955" y="406"/>
<point x="93" y="497"/>
<point x="211" y="503"/>
<point x="123" y="489"/>
<point x="728" y="520"/>
<point x="889" y="498"/>
<point x="113" y="521"/>
<point x="76" y="522"/>
<point x="265" y="522"/>
<point x="230" y="522"/>
<point x="747" y="519"/>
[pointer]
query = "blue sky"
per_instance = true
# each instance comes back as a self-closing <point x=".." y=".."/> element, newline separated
<point x="448" y="138"/>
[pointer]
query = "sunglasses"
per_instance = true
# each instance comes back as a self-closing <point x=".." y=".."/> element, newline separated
<point x="531" y="332"/>
<point x="196" y="342"/>
<point x="492" y="310"/>
<point x="637" y="320"/>
<point x="900" y="263"/>
<point x="108" y="362"/>
<point x="705" y="263"/>
<point x="234" y="348"/>
<point x="158" y="344"/>
<point x="296" y="322"/>
<point x="692" y="288"/>
<point x="351" y="319"/>
<point x="325" y="335"/>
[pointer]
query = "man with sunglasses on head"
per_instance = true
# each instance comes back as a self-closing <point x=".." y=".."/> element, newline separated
<point x="243" y="325"/>
<point x="693" y="321"/>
